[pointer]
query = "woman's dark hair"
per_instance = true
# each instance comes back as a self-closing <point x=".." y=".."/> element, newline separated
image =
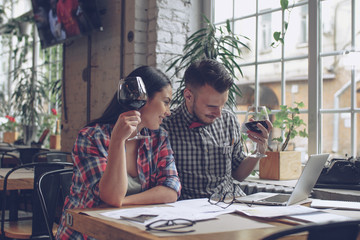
<point x="154" y="81"/>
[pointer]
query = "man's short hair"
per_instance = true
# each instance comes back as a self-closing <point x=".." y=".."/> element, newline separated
<point x="209" y="72"/>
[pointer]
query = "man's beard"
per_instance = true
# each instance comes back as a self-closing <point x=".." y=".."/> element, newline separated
<point x="198" y="118"/>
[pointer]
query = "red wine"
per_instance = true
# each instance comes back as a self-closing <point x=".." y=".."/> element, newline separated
<point x="134" y="104"/>
<point x="252" y="126"/>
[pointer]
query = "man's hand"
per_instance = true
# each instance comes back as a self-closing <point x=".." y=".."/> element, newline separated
<point x="261" y="139"/>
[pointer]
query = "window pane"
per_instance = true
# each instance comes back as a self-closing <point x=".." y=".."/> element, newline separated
<point x="297" y="34"/>
<point x="336" y="83"/>
<point x="296" y="74"/>
<point x="244" y="7"/>
<point x="270" y="85"/>
<point x="336" y="134"/>
<point x="336" y="25"/>
<point x="266" y="31"/>
<point x="246" y="86"/>
<point x="223" y="10"/>
<point x="247" y="28"/>
<point x="268" y="4"/>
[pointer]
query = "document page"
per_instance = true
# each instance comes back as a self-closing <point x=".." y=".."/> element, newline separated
<point x="318" y="203"/>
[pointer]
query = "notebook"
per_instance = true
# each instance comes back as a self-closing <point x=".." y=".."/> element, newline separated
<point x="302" y="188"/>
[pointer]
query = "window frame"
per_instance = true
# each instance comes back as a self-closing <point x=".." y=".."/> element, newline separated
<point x="315" y="110"/>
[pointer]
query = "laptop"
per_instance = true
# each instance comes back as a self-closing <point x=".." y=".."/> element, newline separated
<point x="302" y="188"/>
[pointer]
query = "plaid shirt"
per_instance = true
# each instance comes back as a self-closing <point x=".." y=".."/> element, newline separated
<point x="156" y="166"/>
<point x="205" y="156"/>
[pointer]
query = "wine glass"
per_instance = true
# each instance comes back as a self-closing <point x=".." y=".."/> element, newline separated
<point x="255" y="115"/>
<point x="131" y="92"/>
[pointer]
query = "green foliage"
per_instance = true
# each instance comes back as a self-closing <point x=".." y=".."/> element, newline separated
<point x="28" y="97"/>
<point x="211" y="42"/>
<point x="36" y="90"/>
<point x="279" y="36"/>
<point x="289" y="121"/>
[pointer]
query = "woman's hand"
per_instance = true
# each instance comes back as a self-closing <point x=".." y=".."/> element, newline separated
<point x="113" y="183"/>
<point x="126" y="125"/>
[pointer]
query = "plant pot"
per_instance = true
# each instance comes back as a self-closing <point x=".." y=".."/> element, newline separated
<point x="55" y="142"/>
<point x="284" y="165"/>
<point x="10" y="137"/>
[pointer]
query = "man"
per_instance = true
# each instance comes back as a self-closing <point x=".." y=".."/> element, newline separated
<point x="205" y="137"/>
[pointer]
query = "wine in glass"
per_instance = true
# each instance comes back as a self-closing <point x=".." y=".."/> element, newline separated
<point x="255" y="115"/>
<point x="131" y="92"/>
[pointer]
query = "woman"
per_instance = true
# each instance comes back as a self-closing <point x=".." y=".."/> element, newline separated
<point x="109" y="169"/>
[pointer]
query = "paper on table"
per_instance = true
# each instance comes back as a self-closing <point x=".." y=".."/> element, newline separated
<point x="318" y="203"/>
<point x="203" y="205"/>
<point x="222" y="223"/>
<point x="195" y="210"/>
<point x="276" y="211"/>
<point x="319" y="217"/>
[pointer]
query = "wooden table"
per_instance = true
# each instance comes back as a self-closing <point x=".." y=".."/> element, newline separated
<point x="106" y="229"/>
<point x="18" y="180"/>
<point x="21" y="179"/>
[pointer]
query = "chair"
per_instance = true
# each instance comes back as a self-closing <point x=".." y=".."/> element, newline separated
<point x="45" y="155"/>
<point x="52" y="156"/>
<point x="344" y="230"/>
<point x="49" y="186"/>
<point x="35" y="228"/>
<point x="5" y="151"/>
<point x="9" y="160"/>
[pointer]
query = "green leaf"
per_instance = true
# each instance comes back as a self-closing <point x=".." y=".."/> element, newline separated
<point x="277" y="35"/>
<point x="286" y="24"/>
<point x="284" y="4"/>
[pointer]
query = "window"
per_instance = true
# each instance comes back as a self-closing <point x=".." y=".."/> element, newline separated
<point x="266" y="33"/>
<point x="311" y="67"/>
<point x="304" y="24"/>
<point x="22" y="58"/>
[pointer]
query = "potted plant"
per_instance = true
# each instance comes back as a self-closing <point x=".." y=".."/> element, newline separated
<point x="10" y="129"/>
<point x="28" y="101"/>
<point x="52" y="123"/>
<point x="281" y="164"/>
<point x="211" y="42"/>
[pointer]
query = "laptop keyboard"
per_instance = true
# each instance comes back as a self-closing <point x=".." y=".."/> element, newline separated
<point x="278" y="198"/>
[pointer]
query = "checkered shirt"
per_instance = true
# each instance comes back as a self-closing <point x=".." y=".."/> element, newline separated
<point x="155" y="163"/>
<point x="205" y="156"/>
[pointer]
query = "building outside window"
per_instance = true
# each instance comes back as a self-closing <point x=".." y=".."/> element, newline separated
<point x="313" y="66"/>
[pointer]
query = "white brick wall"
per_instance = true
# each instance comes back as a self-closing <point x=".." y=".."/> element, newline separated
<point x="167" y="28"/>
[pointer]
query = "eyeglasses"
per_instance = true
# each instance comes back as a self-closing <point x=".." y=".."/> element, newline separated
<point x="224" y="200"/>
<point x="178" y="225"/>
